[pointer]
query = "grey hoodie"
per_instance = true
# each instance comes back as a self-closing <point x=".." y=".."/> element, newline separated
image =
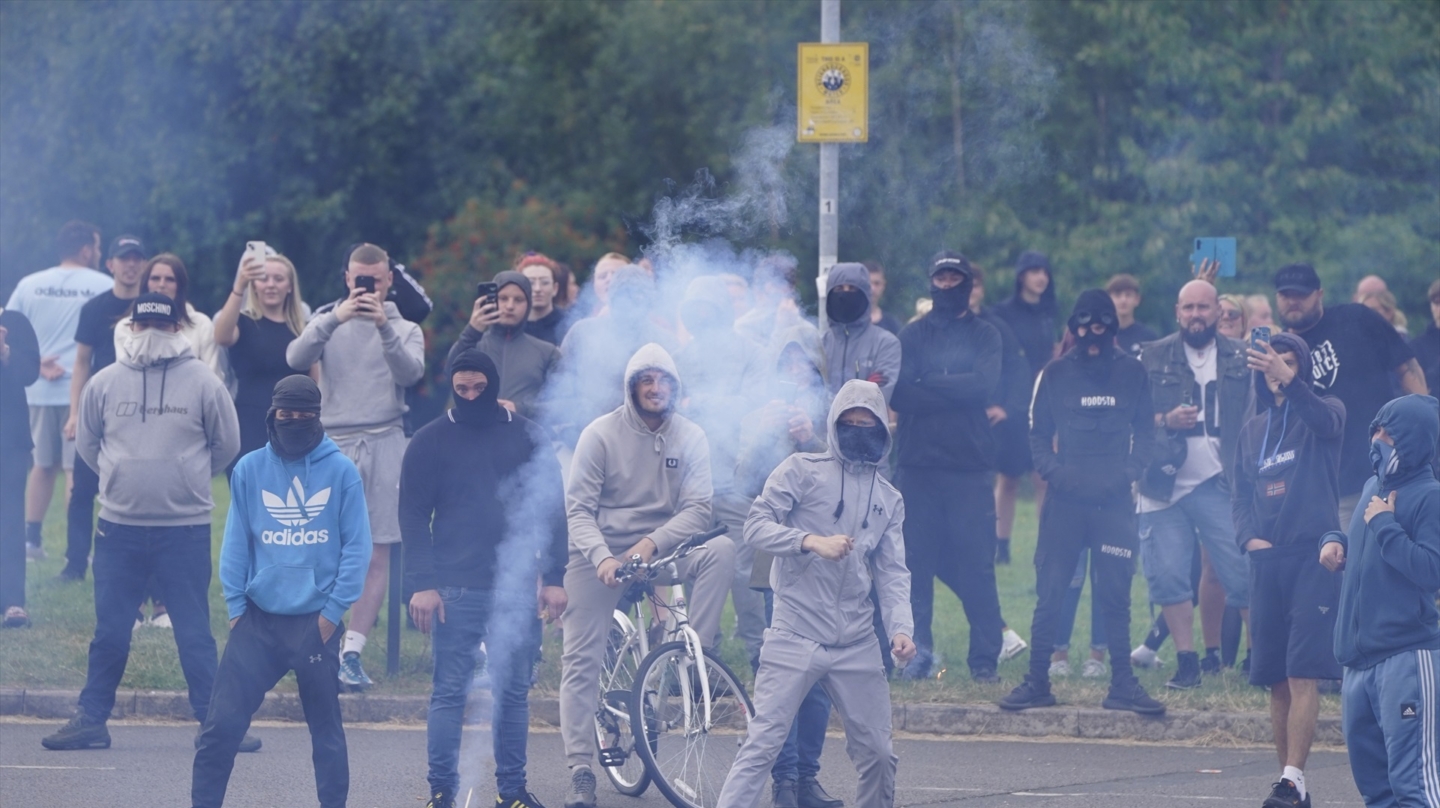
<point x="157" y="435"/>
<point x="524" y="361"/>
<point x="627" y="482"/>
<point x="859" y="349"/>
<point x="829" y="601"/>
<point x="364" y="368"/>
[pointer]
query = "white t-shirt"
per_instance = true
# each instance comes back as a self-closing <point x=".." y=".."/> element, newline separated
<point x="1202" y="445"/>
<point x="52" y="299"/>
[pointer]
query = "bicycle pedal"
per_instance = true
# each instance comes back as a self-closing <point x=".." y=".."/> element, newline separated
<point x="613" y="757"/>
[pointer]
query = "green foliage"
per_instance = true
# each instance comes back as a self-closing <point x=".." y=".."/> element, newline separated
<point x="1106" y="132"/>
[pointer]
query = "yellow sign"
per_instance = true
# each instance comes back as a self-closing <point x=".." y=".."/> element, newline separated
<point x="834" y="89"/>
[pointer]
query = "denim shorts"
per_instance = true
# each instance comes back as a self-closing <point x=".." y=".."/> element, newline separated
<point x="1167" y="546"/>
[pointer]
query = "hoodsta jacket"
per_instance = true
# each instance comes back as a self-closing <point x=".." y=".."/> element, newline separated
<point x="524" y="360"/>
<point x="297" y="538"/>
<point x="829" y="601"/>
<point x="1287" y="472"/>
<point x="1392" y="564"/>
<point x="859" y="350"/>
<point x="156" y="435"/>
<point x="627" y="482"/>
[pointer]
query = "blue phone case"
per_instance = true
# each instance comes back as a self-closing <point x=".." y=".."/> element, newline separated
<point x="1216" y="249"/>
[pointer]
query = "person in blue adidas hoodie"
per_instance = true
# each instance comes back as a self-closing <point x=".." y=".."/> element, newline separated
<point x="1387" y="633"/>
<point x="296" y="548"/>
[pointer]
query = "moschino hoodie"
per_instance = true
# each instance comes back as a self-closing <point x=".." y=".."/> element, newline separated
<point x="297" y="537"/>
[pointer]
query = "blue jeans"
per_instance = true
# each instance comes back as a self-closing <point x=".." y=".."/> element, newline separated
<point x="800" y="756"/>
<point x="509" y="657"/>
<point x="1071" y="604"/>
<point x="1167" y="546"/>
<point x="126" y="556"/>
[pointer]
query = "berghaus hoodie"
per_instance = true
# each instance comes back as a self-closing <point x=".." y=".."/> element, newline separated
<point x="297" y="537"/>
<point x="1392" y="563"/>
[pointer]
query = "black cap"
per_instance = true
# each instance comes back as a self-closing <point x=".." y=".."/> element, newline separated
<point x="949" y="259"/>
<point x="297" y="392"/>
<point x="126" y="244"/>
<point x="155" y="306"/>
<point x="1297" y="278"/>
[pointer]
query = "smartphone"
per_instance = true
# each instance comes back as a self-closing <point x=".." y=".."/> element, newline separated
<point x="366" y="282"/>
<point x="489" y="291"/>
<point x="1215" y="249"/>
<point x="257" y="249"/>
<point x="1259" y="334"/>
<point x="789" y="391"/>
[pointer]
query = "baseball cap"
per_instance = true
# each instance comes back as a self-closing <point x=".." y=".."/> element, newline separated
<point x="155" y="306"/>
<point x="126" y="244"/>
<point x="949" y="259"/>
<point x="1297" y="278"/>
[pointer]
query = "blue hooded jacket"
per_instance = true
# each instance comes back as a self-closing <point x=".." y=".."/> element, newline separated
<point x="297" y="538"/>
<point x="1392" y="564"/>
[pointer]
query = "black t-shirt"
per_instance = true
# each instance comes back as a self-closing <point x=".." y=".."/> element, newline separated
<point x="97" y="327"/>
<point x="1130" y="337"/>
<point x="258" y="359"/>
<point x="1354" y="354"/>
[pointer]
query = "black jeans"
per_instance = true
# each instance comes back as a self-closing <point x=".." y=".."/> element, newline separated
<point x="263" y="647"/>
<point x="950" y="535"/>
<point x="1108" y="531"/>
<point x="14" y="468"/>
<point x="80" y="517"/>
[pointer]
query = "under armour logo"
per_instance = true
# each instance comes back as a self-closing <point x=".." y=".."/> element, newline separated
<point x="1324" y="609"/>
<point x="315" y="658"/>
<point x="878" y="510"/>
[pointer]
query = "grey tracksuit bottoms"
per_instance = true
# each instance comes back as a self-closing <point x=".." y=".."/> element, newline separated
<point x="587" y="621"/>
<point x="854" y="678"/>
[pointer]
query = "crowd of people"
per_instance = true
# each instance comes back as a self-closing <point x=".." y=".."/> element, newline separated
<point x="853" y="462"/>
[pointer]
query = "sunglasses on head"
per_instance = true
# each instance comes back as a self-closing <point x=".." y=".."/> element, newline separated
<point x="1085" y="318"/>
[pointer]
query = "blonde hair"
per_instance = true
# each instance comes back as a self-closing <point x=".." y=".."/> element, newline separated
<point x="1389" y="309"/>
<point x="294" y="314"/>
<point x="1239" y="303"/>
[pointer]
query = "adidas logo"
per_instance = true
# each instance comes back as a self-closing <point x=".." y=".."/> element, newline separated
<point x="295" y="509"/>
<point x="1408" y="711"/>
<point x="1324" y="609"/>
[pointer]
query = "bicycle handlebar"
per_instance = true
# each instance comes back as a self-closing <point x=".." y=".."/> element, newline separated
<point x="636" y="565"/>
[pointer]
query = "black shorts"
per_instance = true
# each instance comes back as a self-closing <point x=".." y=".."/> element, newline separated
<point x="1012" y="447"/>
<point x="1293" y="602"/>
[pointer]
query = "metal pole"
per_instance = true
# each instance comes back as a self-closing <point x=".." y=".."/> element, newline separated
<point x="392" y="622"/>
<point x="829" y="177"/>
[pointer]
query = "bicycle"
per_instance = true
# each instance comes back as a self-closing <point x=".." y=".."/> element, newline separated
<point x="680" y="693"/>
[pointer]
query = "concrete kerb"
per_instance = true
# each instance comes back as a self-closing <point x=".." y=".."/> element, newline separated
<point x="1194" y="726"/>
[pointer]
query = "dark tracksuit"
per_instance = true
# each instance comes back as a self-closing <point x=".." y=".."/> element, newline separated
<point x="15" y="444"/>
<point x="1387" y="633"/>
<point x="1287" y="492"/>
<point x="1098" y="411"/>
<point x="949" y="371"/>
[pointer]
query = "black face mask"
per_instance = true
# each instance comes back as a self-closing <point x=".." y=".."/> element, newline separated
<point x="1090" y="338"/>
<point x="846" y="306"/>
<point x="480" y="411"/>
<point x="954" y="301"/>
<point x="862" y="444"/>
<point x="294" y="438"/>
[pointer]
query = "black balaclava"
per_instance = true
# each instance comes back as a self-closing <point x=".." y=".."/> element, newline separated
<point x="1093" y="305"/>
<point x="294" y="438"/>
<point x="485" y="409"/>
<point x="863" y="444"/>
<point x="846" y="306"/>
<point x="954" y="301"/>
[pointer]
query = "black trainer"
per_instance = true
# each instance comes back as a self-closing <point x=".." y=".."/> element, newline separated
<point x="80" y="733"/>
<point x="1002" y="551"/>
<point x="784" y="794"/>
<point x="1187" y="671"/>
<point x="1210" y="663"/>
<point x="1284" y="794"/>
<point x="1131" y="696"/>
<point x="1030" y="693"/>
<point x="440" y="798"/>
<point x="985" y="676"/>
<point x="525" y="800"/>
<point x="810" y="795"/>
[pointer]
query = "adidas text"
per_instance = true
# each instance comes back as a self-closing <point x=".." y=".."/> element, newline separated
<point x="295" y="537"/>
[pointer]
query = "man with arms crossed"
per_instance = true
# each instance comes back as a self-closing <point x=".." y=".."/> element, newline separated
<point x="639" y="485"/>
<point x="368" y="355"/>
<point x="1285" y="496"/>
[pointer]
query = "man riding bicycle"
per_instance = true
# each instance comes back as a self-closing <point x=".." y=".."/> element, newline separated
<point x="639" y="484"/>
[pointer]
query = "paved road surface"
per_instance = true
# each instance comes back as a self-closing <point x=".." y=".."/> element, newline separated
<point x="149" y="765"/>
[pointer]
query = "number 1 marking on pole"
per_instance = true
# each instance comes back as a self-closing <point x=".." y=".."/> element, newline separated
<point x="827" y="206"/>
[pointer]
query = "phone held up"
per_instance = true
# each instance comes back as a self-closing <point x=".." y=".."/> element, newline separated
<point x="1220" y="250"/>
<point x="256" y="249"/>
<point x="367" y="283"/>
<point x="489" y="291"/>
<point x="1259" y="334"/>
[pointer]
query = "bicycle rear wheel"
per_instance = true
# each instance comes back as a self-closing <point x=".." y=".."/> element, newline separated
<point x="613" y="733"/>
<point x="687" y="756"/>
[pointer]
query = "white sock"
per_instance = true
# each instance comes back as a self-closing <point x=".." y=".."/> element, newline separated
<point x="1297" y="777"/>
<point x="354" y="643"/>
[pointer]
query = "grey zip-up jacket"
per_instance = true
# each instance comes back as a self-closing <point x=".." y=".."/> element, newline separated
<point x="859" y="349"/>
<point x="157" y="435"/>
<point x="627" y="482"/>
<point x="364" y="368"/>
<point x="524" y="361"/>
<point x="829" y="601"/>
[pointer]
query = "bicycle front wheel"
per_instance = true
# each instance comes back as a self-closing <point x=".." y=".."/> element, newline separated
<point x="688" y="749"/>
<point x="625" y="769"/>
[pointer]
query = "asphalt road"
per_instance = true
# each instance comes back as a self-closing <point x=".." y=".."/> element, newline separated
<point x="149" y="765"/>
